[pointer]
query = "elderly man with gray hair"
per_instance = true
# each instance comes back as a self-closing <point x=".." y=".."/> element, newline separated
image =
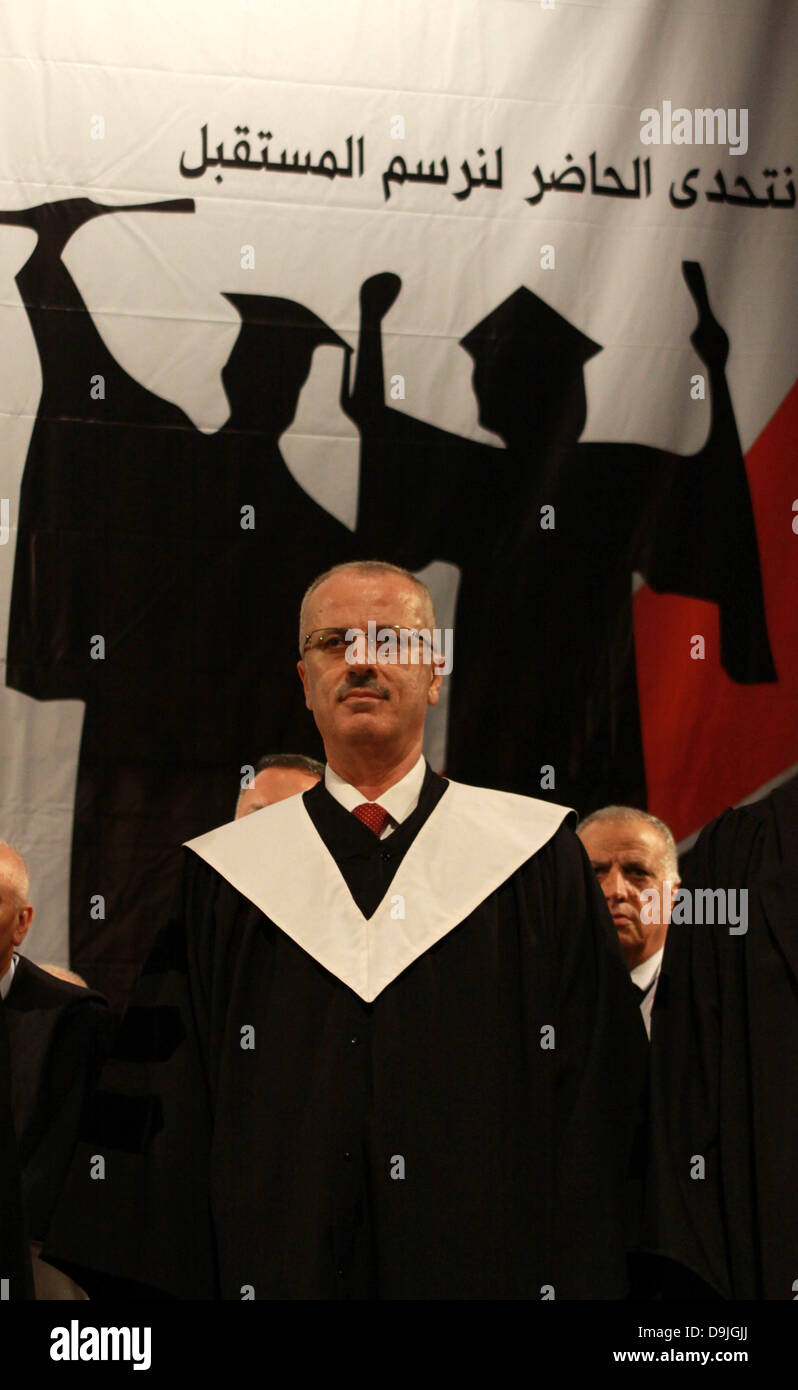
<point x="633" y="855"/>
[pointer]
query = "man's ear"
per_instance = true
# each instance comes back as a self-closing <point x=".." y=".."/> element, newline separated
<point x="434" y="692"/>
<point x="303" y="676"/>
<point x="23" y="922"/>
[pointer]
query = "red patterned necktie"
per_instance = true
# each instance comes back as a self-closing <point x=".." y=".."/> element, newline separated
<point x="373" y="815"/>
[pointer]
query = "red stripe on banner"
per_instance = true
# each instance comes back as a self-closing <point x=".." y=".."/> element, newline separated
<point x="707" y="741"/>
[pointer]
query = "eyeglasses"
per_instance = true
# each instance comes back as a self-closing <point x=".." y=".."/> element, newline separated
<point x="386" y="643"/>
<point x="332" y="641"/>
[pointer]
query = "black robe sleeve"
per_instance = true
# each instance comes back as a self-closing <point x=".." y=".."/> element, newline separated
<point x="600" y="1089"/>
<point x="58" y="1037"/>
<point x="14" y="1254"/>
<point x="134" y="1217"/>
<point x="724" y="1039"/>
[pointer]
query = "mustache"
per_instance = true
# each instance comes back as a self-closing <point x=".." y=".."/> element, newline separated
<point x="366" y="681"/>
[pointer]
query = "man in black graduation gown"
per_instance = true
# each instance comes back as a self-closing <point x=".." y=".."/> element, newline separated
<point x="388" y="1047"/>
<point x="722" y="1204"/>
<point x="57" y="1036"/>
<point x="633" y="855"/>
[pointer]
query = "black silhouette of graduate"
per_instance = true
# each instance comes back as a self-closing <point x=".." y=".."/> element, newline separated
<point x="548" y="534"/>
<point x="130" y="530"/>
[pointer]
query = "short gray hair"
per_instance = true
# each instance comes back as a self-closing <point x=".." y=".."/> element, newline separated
<point x="365" y="567"/>
<point x="634" y="813"/>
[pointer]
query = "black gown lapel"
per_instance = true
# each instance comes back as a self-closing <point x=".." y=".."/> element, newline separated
<point x="367" y="864"/>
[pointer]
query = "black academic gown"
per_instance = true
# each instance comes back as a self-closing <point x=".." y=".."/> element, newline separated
<point x="424" y="1145"/>
<point x="724" y="1042"/>
<point x="14" y="1253"/>
<point x="58" y="1036"/>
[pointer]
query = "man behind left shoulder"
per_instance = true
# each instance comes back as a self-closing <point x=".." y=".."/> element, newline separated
<point x="400" y="1057"/>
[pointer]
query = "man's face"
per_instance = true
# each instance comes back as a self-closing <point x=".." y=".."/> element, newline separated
<point x="630" y="857"/>
<point x="15" y="913"/>
<point x="273" y="784"/>
<point x="382" y="706"/>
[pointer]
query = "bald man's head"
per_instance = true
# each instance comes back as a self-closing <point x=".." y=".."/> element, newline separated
<point x="16" y="912"/>
<point x="14" y="870"/>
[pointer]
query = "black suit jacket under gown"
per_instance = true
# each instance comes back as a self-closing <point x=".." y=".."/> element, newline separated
<point x="58" y="1036"/>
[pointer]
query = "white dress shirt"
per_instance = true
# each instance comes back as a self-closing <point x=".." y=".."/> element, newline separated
<point x="645" y="976"/>
<point x="5" y="980"/>
<point x="399" y="801"/>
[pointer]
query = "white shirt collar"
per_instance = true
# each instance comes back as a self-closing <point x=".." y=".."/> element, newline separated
<point x="399" y="801"/>
<point x="6" y="980"/>
<point x="644" y="973"/>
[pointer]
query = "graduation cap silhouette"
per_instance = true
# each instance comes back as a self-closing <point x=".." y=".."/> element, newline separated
<point x="525" y="329"/>
<point x="272" y="354"/>
<point x="528" y="363"/>
<point x="286" y="315"/>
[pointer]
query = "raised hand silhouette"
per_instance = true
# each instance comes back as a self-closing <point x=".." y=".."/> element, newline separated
<point x="548" y="534"/>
